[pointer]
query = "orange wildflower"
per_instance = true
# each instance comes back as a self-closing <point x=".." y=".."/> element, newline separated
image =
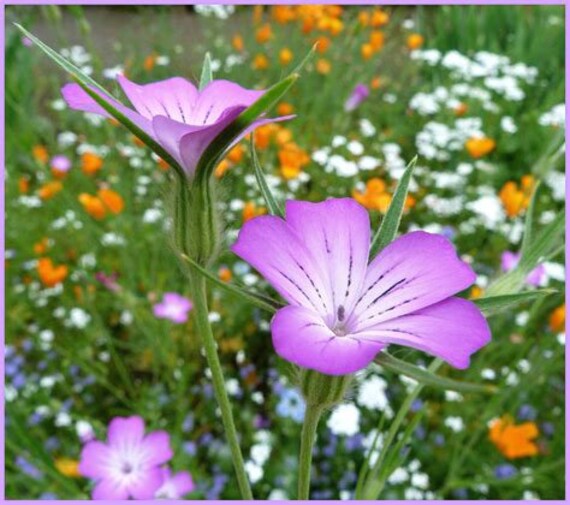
<point x="283" y="13"/>
<point x="50" y="189"/>
<point x="137" y="141"/>
<point x="40" y="154"/>
<point x="375" y="196"/>
<point x="23" y="184"/>
<point x="222" y="168"/>
<point x="379" y="18"/>
<point x="68" y="467"/>
<point x="376" y="40"/>
<point x="283" y="136"/>
<point x="41" y="246"/>
<point x="162" y="164"/>
<point x="292" y="159"/>
<point x="263" y="34"/>
<point x="476" y="292"/>
<point x="91" y="163"/>
<point x="414" y="41"/>
<point x="479" y="147"/>
<point x="257" y="14"/>
<point x="285" y="56"/>
<point x="366" y="51"/>
<point x="92" y="205"/>
<point x="284" y="109"/>
<point x="376" y="83"/>
<point x="262" y="136"/>
<point x="514" y="441"/>
<point x="237" y="43"/>
<point x="149" y="62"/>
<point x="236" y="153"/>
<point x="461" y="109"/>
<point x="323" y="66"/>
<point x="364" y="18"/>
<point x="225" y="274"/>
<point x="250" y="211"/>
<point x="558" y="318"/>
<point x="323" y="44"/>
<point x="260" y="62"/>
<point x="112" y="200"/>
<point x="51" y="275"/>
<point x="515" y="199"/>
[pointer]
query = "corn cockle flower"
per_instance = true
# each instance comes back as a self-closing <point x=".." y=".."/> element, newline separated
<point x="181" y="118"/>
<point x="510" y="260"/>
<point x="342" y="310"/>
<point x="358" y="95"/>
<point x="129" y="464"/>
<point x="174" y="307"/>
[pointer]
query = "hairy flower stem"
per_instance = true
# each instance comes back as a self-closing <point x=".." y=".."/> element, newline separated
<point x="205" y="331"/>
<point x="312" y="415"/>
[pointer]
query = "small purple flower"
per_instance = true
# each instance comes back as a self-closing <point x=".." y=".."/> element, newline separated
<point x="510" y="260"/>
<point x="60" y="163"/>
<point x="174" y="487"/>
<point x="343" y="311"/>
<point x="28" y="468"/>
<point x="173" y="307"/>
<point x="505" y="471"/>
<point x="109" y="281"/>
<point x="129" y="464"/>
<point x="358" y="95"/>
<point x="181" y="118"/>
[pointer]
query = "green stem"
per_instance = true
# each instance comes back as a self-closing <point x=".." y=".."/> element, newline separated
<point x="310" y="423"/>
<point x="373" y="485"/>
<point x="205" y="331"/>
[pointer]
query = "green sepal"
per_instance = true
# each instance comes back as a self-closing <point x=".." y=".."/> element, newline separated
<point x="491" y="305"/>
<point x="274" y="208"/>
<point x="427" y="378"/>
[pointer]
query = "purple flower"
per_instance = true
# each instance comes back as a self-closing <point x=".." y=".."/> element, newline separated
<point x="175" y="486"/>
<point x="343" y="311"/>
<point x="174" y="307"/>
<point x="60" y="163"/>
<point x="129" y="464"/>
<point x="358" y="95"/>
<point x="109" y="281"/>
<point x="505" y="471"/>
<point x="183" y="120"/>
<point x="510" y="260"/>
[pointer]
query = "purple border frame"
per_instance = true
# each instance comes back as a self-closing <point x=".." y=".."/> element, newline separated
<point x="4" y="3"/>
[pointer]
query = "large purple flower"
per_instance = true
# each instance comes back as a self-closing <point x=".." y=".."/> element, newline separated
<point x="129" y="464"/>
<point x="183" y="120"/>
<point x="343" y="311"/>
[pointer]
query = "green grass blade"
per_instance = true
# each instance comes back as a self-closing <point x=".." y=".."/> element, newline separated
<point x="389" y="226"/>
<point x="206" y="77"/>
<point x="274" y="208"/>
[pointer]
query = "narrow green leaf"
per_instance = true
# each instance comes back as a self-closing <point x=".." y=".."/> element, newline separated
<point x="217" y="148"/>
<point x="491" y="305"/>
<point x="427" y="378"/>
<point x="88" y="84"/>
<point x="61" y="61"/>
<point x="530" y="219"/>
<point x="307" y="57"/>
<point x="389" y="226"/>
<point x="207" y="77"/>
<point x="274" y="208"/>
<point x="542" y="246"/>
<point x="547" y="240"/>
<point x="263" y="302"/>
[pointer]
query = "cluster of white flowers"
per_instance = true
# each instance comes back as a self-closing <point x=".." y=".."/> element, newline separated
<point x="555" y="117"/>
<point x="436" y="140"/>
<point x="216" y="11"/>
